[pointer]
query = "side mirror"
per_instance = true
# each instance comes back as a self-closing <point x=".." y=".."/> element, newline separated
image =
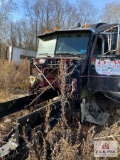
<point x="112" y="39"/>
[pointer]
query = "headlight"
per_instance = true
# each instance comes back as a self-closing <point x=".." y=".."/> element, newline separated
<point x="32" y="79"/>
<point x="41" y="61"/>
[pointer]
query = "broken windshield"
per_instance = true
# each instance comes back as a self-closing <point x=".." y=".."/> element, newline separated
<point x="73" y="43"/>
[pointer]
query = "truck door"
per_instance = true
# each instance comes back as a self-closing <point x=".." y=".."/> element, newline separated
<point x="104" y="69"/>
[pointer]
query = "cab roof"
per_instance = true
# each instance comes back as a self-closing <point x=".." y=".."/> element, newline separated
<point x="94" y="28"/>
<point x="66" y="30"/>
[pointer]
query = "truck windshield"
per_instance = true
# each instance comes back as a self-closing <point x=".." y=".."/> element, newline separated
<point x="72" y="43"/>
<point x="47" y="45"/>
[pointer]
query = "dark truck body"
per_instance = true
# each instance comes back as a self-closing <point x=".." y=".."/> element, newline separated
<point x="98" y="65"/>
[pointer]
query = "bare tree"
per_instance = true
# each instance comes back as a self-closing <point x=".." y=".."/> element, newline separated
<point x="65" y="14"/>
<point x="72" y="15"/>
<point x="87" y="12"/>
<point x="6" y="9"/>
<point x="32" y="16"/>
<point x="38" y="14"/>
<point x="42" y="15"/>
<point x="24" y="35"/>
<point x="111" y="13"/>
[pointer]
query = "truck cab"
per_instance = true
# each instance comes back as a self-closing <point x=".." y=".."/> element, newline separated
<point x="104" y="70"/>
<point x="69" y="45"/>
<point x="90" y="54"/>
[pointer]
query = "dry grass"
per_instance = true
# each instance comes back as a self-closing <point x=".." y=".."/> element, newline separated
<point x="75" y="142"/>
<point x="64" y="142"/>
<point x="14" y="79"/>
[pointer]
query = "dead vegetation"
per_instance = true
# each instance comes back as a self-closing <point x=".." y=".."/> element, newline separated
<point x="14" y="79"/>
<point x="67" y="141"/>
<point x="74" y="141"/>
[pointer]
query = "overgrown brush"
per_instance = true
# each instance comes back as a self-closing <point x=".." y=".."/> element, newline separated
<point x="63" y="142"/>
<point x="14" y="79"/>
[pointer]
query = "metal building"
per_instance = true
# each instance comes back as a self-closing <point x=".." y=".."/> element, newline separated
<point x="19" y="54"/>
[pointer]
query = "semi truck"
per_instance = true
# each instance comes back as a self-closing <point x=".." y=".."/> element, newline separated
<point x="71" y="66"/>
